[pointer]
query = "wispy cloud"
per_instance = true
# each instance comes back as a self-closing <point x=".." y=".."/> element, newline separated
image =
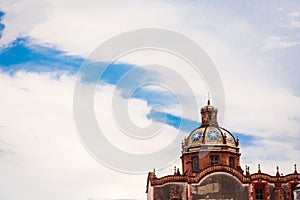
<point x="273" y="42"/>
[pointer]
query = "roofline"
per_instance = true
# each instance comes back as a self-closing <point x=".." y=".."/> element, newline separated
<point x="245" y="179"/>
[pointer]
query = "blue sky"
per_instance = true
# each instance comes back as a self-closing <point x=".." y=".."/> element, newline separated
<point x="2" y="26"/>
<point x="23" y="54"/>
<point x="254" y="46"/>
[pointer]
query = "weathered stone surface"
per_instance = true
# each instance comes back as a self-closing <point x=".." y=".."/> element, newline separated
<point x="168" y="191"/>
<point x="220" y="186"/>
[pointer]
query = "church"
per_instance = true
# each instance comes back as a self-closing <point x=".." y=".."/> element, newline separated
<point x="211" y="170"/>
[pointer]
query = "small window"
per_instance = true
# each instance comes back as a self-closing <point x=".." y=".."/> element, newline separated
<point x="259" y="194"/>
<point x="195" y="164"/>
<point x="231" y="162"/>
<point x="214" y="160"/>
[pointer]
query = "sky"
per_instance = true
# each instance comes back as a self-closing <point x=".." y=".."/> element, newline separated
<point x="255" y="48"/>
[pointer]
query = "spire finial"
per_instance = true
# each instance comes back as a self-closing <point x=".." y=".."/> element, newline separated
<point x="208" y="99"/>
<point x="277" y="173"/>
<point x="247" y="170"/>
<point x="295" y="169"/>
<point x="259" y="168"/>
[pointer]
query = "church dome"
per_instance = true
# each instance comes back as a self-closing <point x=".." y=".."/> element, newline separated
<point x="209" y="133"/>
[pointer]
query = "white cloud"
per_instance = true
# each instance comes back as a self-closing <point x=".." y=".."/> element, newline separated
<point x="137" y="110"/>
<point x="88" y="24"/>
<point x="294" y="17"/>
<point x="41" y="154"/>
<point x="120" y="135"/>
<point x="166" y="64"/>
<point x="276" y="155"/>
<point x="294" y="24"/>
<point x="274" y="42"/>
<point x="21" y="17"/>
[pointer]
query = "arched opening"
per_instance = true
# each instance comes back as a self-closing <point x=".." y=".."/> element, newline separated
<point x="231" y="161"/>
<point x="195" y="164"/>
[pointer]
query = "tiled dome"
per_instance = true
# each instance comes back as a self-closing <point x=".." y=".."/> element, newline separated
<point x="212" y="135"/>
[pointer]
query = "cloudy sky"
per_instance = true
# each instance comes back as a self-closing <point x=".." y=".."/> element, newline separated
<point x="254" y="45"/>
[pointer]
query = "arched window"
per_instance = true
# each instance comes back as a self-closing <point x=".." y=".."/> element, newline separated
<point x="231" y="162"/>
<point x="195" y="164"/>
<point x="214" y="160"/>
